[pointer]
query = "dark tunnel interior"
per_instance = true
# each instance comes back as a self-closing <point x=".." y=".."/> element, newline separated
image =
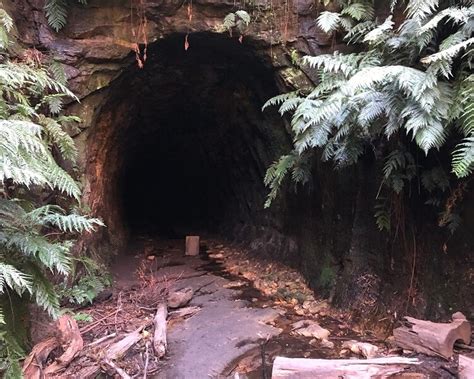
<point x="195" y="146"/>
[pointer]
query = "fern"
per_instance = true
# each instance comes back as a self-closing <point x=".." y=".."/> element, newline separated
<point x="329" y="21"/>
<point x="364" y="98"/>
<point x="30" y="130"/>
<point x="421" y="9"/>
<point x="56" y="13"/>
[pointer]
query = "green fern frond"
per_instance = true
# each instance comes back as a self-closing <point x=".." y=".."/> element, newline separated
<point x="58" y="72"/>
<point x="279" y="99"/>
<point x="359" y="11"/>
<point x="329" y="21"/>
<point x="14" y="279"/>
<point x="448" y="54"/>
<point x="380" y="33"/>
<point x="244" y="16"/>
<point x="44" y="293"/>
<point x="73" y="223"/>
<point x="275" y="175"/>
<point x="454" y="14"/>
<point x="334" y="63"/>
<point x="421" y="9"/>
<point x="55" y="135"/>
<point x="229" y="21"/>
<point x="463" y="158"/>
<point x="56" y="13"/>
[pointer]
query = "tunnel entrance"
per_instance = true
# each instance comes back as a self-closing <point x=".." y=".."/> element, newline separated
<point x="181" y="146"/>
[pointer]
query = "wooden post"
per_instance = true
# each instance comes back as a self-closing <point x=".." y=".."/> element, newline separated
<point x="192" y="245"/>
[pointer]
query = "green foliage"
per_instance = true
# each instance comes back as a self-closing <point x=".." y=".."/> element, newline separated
<point x="56" y="12"/>
<point x="412" y="83"/>
<point x="35" y="239"/>
<point x="83" y="317"/>
<point x="239" y="20"/>
<point x="88" y="278"/>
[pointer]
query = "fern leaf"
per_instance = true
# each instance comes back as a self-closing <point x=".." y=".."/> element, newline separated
<point x="72" y="222"/>
<point x="13" y="278"/>
<point x="55" y="135"/>
<point x="329" y="21"/>
<point x="279" y="99"/>
<point x="421" y="9"/>
<point x="380" y="33"/>
<point x="56" y="13"/>
<point x="463" y="158"/>
<point x="359" y="11"/>
<point x="244" y="16"/>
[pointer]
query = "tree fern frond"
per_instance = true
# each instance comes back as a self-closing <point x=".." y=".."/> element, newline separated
<point x="72" y="222"/>
<point x="421" y="9"/>
<point x="56" y="13"/>
<point x="380" y="33"/>
<point x="279" y="99"/>
<point x="55" y="135"/>
<point x="463" y="158"/>
<point x="359" y="11"/>
<point x="359" y="31"/>
<point x="14" y="279"/>
<point x="44" y="293"/>
<point x="275" y="175"/>
<point x="57" y="70"/>
<point x="454" y="14"/>
<point x="448" y="54"/>
<point x="329" y="21"/>
<point x="334" y="63"/>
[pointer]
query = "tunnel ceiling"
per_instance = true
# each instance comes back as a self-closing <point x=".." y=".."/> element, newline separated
<point x="184" y="143"/>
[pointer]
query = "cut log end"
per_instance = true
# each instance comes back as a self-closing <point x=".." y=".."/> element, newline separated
<point x="430" y="338"/>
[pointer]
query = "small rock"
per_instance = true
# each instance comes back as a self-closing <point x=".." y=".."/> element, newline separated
<point x="180" y="298"/>
<point x="151" y="257"/>
<point x="216" y="256"/>
<point x="309" y="328"/>
<point x="235" y="284"/>
<point x="363" y="348"/>
<point x="327" y="344"/>
<point x="300" y="312"/>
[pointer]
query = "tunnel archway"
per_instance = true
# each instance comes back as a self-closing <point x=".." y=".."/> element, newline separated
<point x="181" y="146"/>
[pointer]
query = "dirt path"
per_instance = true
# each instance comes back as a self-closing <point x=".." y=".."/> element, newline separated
<point x="246" y="311"/>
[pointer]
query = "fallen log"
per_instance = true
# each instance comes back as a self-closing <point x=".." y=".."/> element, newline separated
<point x="120" y="348"/>
<point x="33" y="366"/>
<point x="102" y="339"/>
<point x="303" y="368"/>
<point x="159" y="337"/>
<point x="431" y="338"/>
<point x="117" y="369"/>
<point x="466" y="367"/>
<point x="89" y="372"/>
<point x="71" y="337"/>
